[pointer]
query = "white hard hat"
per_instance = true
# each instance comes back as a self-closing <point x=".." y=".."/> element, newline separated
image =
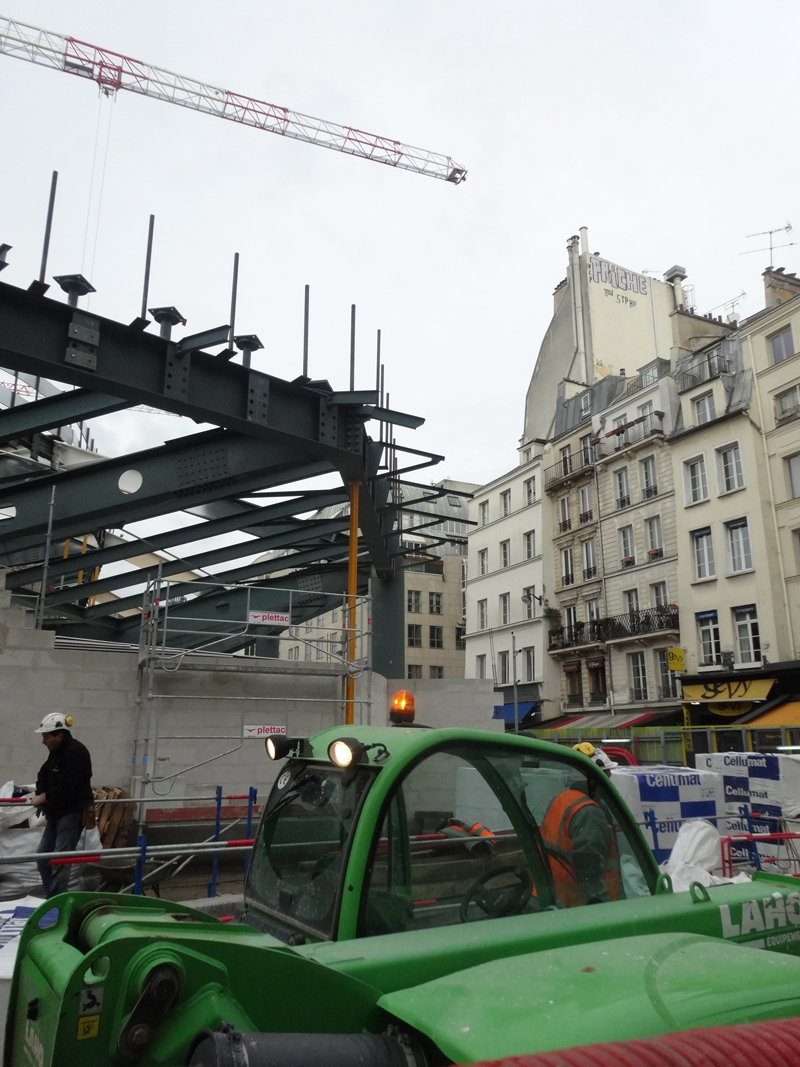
<point x="54" y="722"/>
<point x="602" y="760"/>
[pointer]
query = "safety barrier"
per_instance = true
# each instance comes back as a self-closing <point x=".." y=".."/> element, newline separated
<point x="142" y="851"/>
<point x="752" y="841"/>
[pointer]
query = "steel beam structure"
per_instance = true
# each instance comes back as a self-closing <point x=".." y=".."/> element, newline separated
<point x="52" y="411"/>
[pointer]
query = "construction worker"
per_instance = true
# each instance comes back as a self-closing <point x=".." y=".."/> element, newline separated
<point x="63" y="792"/>
<point x="580" y="843"/>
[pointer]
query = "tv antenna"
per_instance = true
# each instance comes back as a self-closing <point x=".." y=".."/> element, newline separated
<point x="730" y="305"/>
<point x="770" y="233"/>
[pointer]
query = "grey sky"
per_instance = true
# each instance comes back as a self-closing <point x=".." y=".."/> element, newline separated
<point x="662" y="127"/>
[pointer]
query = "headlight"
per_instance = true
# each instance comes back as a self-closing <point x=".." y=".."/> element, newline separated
<point x="345" y="751"/>
<point x="278" y="747"/>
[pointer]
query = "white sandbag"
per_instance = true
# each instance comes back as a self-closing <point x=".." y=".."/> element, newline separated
<point x="19" y="877"/>
<point x="697" y="845"/>
<point x="13" y="916"/>
<point x="14" y="814"/>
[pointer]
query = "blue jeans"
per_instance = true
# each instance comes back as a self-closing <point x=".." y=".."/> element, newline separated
<point x="60" y="835"/>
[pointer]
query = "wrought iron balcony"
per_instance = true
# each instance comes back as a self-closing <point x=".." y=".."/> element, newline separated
<point x="568" y="467"/>
<point x="575" y="700"/>
<point x="669" y="692"/>
<point x="708" y="369"/>
<point x="632" y="434"/>
<point x="639" y="623"/>
<point x="582" y="633"/>
<point x="628" y="561"/>
<point x="650" y="491"/>
<point x="587" y="516"/>
<point x="589" y="572"/>
<point x="564" y="525"/>
<point x="655" y="553"/>
<point x="599" y="697"/>
<point x="638" y="694"/>
<point x="567" y="579"/>
<point x="623" y="502"/>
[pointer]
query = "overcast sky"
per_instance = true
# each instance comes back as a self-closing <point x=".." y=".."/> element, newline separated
<point x="662" y="127"/>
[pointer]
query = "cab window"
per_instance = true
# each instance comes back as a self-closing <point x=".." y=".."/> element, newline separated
<point x="473" y="834"/>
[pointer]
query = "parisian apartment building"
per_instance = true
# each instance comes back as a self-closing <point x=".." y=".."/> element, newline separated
<point x="659" y="474"/>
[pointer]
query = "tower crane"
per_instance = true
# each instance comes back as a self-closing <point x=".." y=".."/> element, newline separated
<point x="113" y="71"/>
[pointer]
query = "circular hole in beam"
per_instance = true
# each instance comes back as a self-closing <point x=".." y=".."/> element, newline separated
<point x="130" y="482"/>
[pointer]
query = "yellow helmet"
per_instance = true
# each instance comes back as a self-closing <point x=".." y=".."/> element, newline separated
<point x="585" y="747"/>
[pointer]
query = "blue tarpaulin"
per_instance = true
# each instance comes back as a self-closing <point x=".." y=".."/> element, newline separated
<point x="506" y="711"/>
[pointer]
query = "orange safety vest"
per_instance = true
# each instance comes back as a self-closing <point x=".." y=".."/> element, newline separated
<point x="455" y="828"/>
<point x="556" y="835"/>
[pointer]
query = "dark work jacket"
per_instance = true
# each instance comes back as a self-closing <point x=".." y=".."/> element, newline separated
<point x="65" y="778"/>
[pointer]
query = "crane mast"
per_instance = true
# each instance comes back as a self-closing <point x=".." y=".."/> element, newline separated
<point x="113" y="71"/>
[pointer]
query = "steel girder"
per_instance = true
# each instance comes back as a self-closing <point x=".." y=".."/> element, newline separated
<point x="52" y="411"/>
<point x="183" y="471"/>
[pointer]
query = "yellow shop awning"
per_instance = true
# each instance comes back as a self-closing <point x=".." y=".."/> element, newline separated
<point x="730" y="692"/>
<point x="786" y="715"/>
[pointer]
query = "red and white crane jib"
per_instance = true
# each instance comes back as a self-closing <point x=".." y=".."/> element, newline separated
<point x="113" y="71"/>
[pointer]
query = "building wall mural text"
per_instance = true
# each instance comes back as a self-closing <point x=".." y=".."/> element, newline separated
<point x="606" y="273"/>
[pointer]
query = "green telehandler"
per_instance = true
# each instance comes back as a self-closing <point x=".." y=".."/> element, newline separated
<point x="415" y="898"/>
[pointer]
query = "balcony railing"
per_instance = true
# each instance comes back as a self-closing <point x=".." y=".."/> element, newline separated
<point x="708" y="369"/>
<point x="567" y="579"/>
<point x="628" y="561"/>
<point x="637" y="623"/>
<point x="668" y="692"/>
<point x="587" y="516"/>
<point x="575" y="700"/>
<point x="589" y="572"/>
<point x="582" y="633"/>
<point x="564" y="525"/>
<point x="655" y="553"/>
<point x="568" y="467"/>
<point x="638" y="693"/>
<point x="634" y="432"/>
<point x="650" y="491"/>
<point x="598" y="698"/>
<point x="623" y="502"/>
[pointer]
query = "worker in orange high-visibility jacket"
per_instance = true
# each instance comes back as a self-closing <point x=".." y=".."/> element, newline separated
<point x="581" y="846"/>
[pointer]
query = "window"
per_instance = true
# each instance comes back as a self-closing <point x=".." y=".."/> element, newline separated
<point x="436" y="636"/>
<point x="505" y="609"/>
<point x="655" y="548"/>
<point x="483" y="615"/>
<point x="586" y="506"/>
<point x="483" y="561"/>
<point x="793" y="464"/>
<point x="414" y="601"/>
<point x="571" y="617"/>
<point x="437" y="672"/>
<point x="574" y="681"/>
<point x="566" y="459"/>
<point x="638" y="675"/>
<point x="649" y="483"/>
<point x="622" y="438"/>
<point x="335" y="615"/>
<point x="526" y="455"/>
<point x="708" y="638"/>
<point x="460" y="641"/>
<point x="564" y="521"/>
<point x="435" y="603"/>
<point x="703" y="553"/>
<point x="480" y="666"/>
<point x="414" y="670"/>
<point x="623" y="487"/>
<point x="738" y="536"/>
<point x="530" y="491"/>
<point x="667" y="679"/>
<point x="631" y="600"/>
<point x="567" y="573"/>
<point x="695" y="479"/>
<point x="787" y="405"/>
<point x="530" y="544"/>
<point x="597" y="681"/>
<point x="587" y="452"/>
<point x="454" y="501"/>
<point x="483" y="513"/>
<point x="745" y="624"/>
<point x="529" y="600"/>
<point x="589" y="560"/>
<point x="529" y="661"/>
<point x="593" y="610"/>
<point x="505" y="553"/>
<point x="414" y="635"/>
<point x="658" y="595"/>
<point x="646" y="414"/>
<point x="321" y="648"/>
<point x="505" y="502"/>
<point x="729" y="468"/>
<point x="782" y="345"/>
<point x="586" y="405"/>
<point x="502" y="668"/>
<point x="626" y="546"/>
<point x="704" y="409"/>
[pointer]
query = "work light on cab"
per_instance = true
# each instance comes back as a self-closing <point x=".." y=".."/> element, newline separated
<point x="345" y="751"/>
<point x="279" y="747"/>
<point x="401" y="710"/>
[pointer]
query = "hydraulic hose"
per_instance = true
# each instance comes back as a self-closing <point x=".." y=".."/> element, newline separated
<point x="768" y="1044"/>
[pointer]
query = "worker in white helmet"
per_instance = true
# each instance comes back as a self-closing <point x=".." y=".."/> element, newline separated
<point x="63" y="792"/>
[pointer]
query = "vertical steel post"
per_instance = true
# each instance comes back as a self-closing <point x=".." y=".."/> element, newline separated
<point x="212" y="885"/>
<point x="141" y="841"/>
<point x="514" y="677"/>
<point x="234" y="288"/>
<point x="352" y="347"/>
<point x="251" y="800"/>
<point x="46" y="567"/>
<point x="352" y="588"/>
<point x="305" y="336"/>
<point x="48" y="226"/>
<point x="147" y="259"/>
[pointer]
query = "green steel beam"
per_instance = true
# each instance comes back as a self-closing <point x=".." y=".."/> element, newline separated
<point x="52" y="411"/>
